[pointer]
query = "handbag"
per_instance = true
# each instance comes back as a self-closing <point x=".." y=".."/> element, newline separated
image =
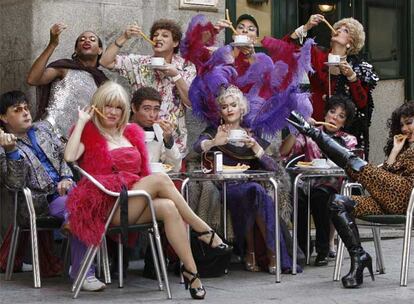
<point x="209" y="264"/>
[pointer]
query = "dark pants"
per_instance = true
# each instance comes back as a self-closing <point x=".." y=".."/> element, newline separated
<point x="319" y="209"/>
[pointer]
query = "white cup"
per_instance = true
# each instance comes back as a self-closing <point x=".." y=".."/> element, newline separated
<point x="241" y="39"/>
<point x="334" y="58"/>
<point x="237" y="134"/>
<point x="319" y="162"/>
<point x="149" y="136"/>
<point x="156" y="167"/>
<point x="157" y="61"/>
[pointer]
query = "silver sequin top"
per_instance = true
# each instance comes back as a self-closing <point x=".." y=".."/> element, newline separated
<point x="75" y="89"/>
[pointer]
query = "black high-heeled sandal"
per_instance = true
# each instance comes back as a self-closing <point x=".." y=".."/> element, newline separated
<point x="197" y="293"/>
<point x="221" y="249"/>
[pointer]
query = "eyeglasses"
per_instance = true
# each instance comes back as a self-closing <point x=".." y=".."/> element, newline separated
<point x="20" y="108"/>
<point x="250" y="28"/>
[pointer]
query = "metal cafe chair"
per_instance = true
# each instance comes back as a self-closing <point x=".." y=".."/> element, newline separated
<point x="376" y="222"/>
<point x="35" y="224"/>
<point x="93" y="250"/>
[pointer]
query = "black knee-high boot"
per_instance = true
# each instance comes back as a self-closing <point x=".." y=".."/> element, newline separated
<point x="340" y="208"/>
<point x="333" y="150"/>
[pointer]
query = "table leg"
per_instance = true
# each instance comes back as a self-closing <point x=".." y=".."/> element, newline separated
<point x="277" y="229"/>
<point x="295" y="222"/>
<point x="225" y="210"/>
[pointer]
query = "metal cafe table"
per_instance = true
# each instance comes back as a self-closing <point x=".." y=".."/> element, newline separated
<point x="246" y="176"/>
<point x="306" y="174"/>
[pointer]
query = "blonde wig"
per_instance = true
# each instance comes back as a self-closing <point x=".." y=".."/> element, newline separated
<point x="236" y="94"/>
<point x="356" y="32"/>
<point x="114" y="95"/>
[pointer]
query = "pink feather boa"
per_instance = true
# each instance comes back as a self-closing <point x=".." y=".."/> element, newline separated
<point x="88" y="207"/>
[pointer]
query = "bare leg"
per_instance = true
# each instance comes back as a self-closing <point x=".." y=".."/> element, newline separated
<point x="174" y="226"/>
<point x="332" y="232"/>
<point x="159" y="185"/>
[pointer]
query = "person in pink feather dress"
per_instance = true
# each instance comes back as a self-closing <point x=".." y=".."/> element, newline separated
<point x="114" y="152"/>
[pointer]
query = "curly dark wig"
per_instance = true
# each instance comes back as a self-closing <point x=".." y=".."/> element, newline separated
<point x="343" y="101"/>
<point x="394" y="124"/>
<point x="169" y="25"/>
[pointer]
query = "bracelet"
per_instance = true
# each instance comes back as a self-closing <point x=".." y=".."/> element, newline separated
<point x="352" y="78"/>
<point x="117" y="44"/>
<point x="176" y="78"/>
<point x="301" y="33"/>
<point x="260" y="153"/>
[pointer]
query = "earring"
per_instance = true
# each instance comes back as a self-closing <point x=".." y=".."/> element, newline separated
<point x="348" y="45"/>
<point x="221" y="121"/>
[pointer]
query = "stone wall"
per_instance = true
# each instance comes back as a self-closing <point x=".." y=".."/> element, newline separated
<point x="25" y="28"/>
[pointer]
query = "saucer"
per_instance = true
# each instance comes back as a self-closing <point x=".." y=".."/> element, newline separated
<point x="332" y="63"/>
<point x="241" y="44"/>
<point x="157" y="67"/>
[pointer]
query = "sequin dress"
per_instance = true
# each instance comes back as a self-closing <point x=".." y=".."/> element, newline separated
<point x="75" y="89"/>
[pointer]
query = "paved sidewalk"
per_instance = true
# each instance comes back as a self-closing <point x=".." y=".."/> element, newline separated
<point x="313" y="286"/>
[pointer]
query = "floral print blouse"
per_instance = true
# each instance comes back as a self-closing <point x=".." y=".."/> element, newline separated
<point x="135" y="69"/>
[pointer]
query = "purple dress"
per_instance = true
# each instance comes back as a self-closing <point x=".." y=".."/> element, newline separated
<point x="248" y="199"/>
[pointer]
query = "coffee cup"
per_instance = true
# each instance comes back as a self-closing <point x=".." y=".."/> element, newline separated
<point x="237" y="134"/>
<point x="157" y="167"/>
<point x="319" y="162"/>
<point x="334" y="58"/>
<point x="158" y="61"/>
<point x="149" y="136"/>
<point x="241" y="39"/>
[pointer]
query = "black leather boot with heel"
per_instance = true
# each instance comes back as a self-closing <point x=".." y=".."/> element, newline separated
<point x="340" y="209"/>
<point x="340" y="155"/>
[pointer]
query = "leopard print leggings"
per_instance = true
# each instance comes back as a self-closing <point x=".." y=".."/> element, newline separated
<point x="389" y="193"/>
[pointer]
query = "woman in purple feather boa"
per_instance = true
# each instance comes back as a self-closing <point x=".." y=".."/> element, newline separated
<point x="249" y="203"/>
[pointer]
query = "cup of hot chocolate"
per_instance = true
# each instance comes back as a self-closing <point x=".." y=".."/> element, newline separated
<point x="157" y="61"/>
<point x="334" y="59"/>
<point x="237" y="135"/>
<point x="241" y="39"/>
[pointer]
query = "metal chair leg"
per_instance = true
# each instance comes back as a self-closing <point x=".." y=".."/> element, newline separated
<point x="378" y="250"/>
<point x="405" y="260"/>
<point x="162" y="260"/>
<point x="12" y="252"/>
<point x="105" y="262"/>
<point x="120" y="262"/>
<point x="155" y="258"/>
<point x="86" y="264"/>
<point x="99" y="263"/>
<point x="338" y="260"/>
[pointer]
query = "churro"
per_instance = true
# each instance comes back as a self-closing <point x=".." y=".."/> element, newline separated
<point x="145" y="36"/>
<point x="325" y="124"/>
<point x="99" y="112"/>
<point x="329" y="25"/>
<point x="231" y="25"/>
<point x="304" y="164"/>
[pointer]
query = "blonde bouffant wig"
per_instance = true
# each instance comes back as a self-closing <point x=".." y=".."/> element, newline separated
<point x="356" y="32"/>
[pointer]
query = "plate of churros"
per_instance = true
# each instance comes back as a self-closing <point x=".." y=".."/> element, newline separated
<point x="239" y="168"/>
<point x="311" y="165"/>
<point x="167" y="167"/>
